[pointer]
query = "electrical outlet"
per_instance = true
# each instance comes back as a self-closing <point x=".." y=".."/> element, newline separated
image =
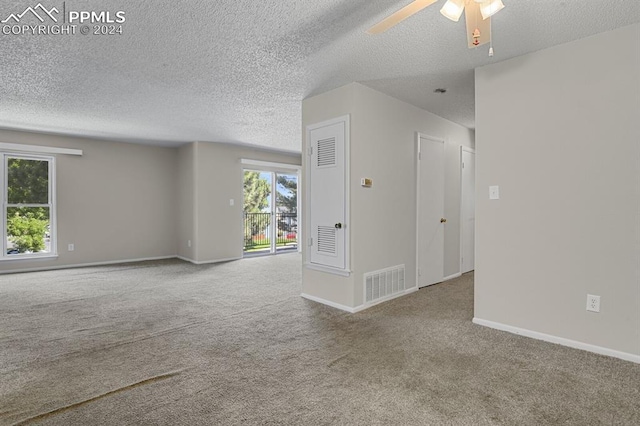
<point x="71" y="247"/>
<point x="593" y="303"/>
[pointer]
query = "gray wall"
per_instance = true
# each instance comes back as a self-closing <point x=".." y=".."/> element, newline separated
<point x="121" y="201"/>
<point x="217" y="228"/>
<point x="382" y="223"/>
<point x="187" y="231"/>
<point x="558" y="131"/>
<point x="116" y="202"/>
<point x="332" y="104"/>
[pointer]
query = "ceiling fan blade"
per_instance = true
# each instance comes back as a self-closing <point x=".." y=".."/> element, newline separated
<point x="474" y="21"/>
<point x="394" y="19"/>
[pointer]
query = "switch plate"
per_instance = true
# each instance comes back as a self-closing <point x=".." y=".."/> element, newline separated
<point x="188" y="243"/>
<point x="71" y="247"/>
<point x="232" y="202"/>
<point x="494" y="192"/>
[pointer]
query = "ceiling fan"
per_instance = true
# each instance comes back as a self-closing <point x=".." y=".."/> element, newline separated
<point x="477" y="15"/>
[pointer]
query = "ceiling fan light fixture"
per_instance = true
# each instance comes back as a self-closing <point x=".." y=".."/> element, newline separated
<point x="489" y="8"/>
<point x="453" y="9"/>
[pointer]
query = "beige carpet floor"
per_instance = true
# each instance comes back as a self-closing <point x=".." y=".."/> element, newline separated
<point x="170" y="343"/>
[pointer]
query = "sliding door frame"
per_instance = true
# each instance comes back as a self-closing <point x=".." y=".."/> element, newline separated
<point x="275" y="169"/>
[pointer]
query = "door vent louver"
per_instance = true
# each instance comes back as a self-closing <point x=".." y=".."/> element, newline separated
<point x="327" y="240"/>
<point x="327" y="152"/>
<point x="384" y="284"/>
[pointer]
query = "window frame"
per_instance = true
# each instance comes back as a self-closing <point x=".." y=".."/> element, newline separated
<point x="5" y="205"/>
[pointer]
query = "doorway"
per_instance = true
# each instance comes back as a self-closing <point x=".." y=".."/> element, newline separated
<point x="430" y="210"/>
<point x="270" y="212"/>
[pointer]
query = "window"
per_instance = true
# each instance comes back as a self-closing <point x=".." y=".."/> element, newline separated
<point x="28" y="206"/>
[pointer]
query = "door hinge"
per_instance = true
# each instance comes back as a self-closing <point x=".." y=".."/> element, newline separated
<point x="463" y="165"/>
<point x="310" y="151"/>
<point x="310" y="242"/>
<point x="419" y="272"/>
<point x="419" y="155"/>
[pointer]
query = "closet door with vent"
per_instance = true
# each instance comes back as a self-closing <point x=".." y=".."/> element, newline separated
<point x="327" y="194"/>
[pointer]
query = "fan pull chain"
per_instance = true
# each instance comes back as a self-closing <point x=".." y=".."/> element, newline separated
<point x="476" y="33"/>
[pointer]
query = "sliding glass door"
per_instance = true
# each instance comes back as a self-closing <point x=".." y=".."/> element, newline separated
<point x="286" y="212"/>
<point x="270" y="212"/>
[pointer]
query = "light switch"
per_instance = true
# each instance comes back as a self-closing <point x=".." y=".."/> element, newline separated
<point x="232" y="202"/>
<point x="494" y="192"/>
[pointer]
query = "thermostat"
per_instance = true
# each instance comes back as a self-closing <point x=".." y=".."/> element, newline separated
<point x="366" y="182"/>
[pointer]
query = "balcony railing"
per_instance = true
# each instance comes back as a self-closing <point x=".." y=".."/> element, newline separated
<point x="257" y="231"/>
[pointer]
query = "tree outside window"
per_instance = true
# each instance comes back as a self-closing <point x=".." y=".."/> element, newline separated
<point x="28" y="206"/>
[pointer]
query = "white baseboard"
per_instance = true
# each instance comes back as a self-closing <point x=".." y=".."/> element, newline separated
<point x="328" y="303"/>
<point x="450" y="277"/>
<point x="113" y="262"/>
<point x="84" y="265"/>
<point x="357" y="308"/>
<point x="559" y="340"/>
<point x="207" y="262"/>
<point x="386" y="299"/>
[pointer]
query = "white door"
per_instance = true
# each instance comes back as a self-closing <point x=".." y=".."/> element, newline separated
<point x="468" y="211"/>
<point x="327" y="195"/>
<point x="431" y="220"/>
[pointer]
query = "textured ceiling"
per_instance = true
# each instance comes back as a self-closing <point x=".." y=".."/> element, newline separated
<point x="237" y="71"/>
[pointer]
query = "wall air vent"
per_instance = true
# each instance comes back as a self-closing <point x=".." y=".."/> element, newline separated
<point x="383" y="284"/>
